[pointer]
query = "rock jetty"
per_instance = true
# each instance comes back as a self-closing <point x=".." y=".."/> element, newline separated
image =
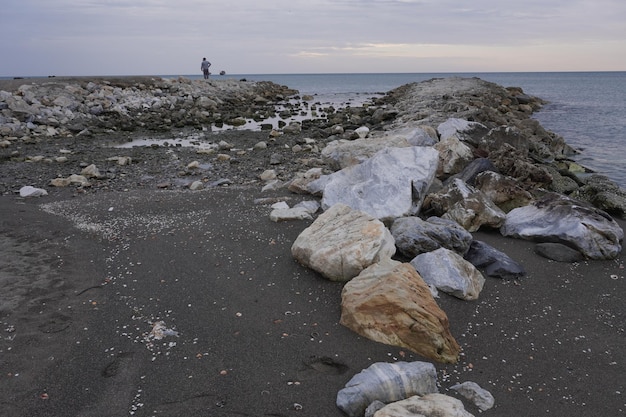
<point x="402" y="183"/>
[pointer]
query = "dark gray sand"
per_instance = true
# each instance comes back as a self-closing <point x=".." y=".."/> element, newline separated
<point x="257" y="334"/>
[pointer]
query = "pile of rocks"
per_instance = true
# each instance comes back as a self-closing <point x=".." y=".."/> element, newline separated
<point x="61" y="107"/>
<point x="419" y="190"/>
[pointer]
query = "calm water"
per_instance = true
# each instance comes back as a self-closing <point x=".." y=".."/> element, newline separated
<point x="587" y="108"/>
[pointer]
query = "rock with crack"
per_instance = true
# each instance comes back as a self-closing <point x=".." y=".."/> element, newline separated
<point x="389" y="302"/>
<point x="342" y="242"/>
<point x="469" y="207"/>
<point x="479" y="396"/>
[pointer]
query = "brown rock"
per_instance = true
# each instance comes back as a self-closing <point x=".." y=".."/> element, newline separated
<point x="390" y="303"/>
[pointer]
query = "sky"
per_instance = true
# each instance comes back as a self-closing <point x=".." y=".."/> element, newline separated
<point x="170" y="37"/>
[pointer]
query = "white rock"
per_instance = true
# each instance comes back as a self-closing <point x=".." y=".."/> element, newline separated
<point x="196" y="185"/>
<point x="281" y="205"/>
<point x="386" y="382"/>
<point x="30" y="191"/>
<point x="362" y="131"/>
<point x="91" y="171"/>
<point x="389" y="185"/>
<point x="295" y="213"/>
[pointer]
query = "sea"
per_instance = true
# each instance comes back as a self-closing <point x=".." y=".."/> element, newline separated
<point x="587" y="108"/>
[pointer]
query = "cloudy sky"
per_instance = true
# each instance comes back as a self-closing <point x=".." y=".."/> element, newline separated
<point x="170" y="37"/>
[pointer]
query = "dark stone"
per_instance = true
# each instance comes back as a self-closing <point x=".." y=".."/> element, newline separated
<point x="472" y="169"/>
<point x="493" y="262"/>
<point x="558" y="252"/>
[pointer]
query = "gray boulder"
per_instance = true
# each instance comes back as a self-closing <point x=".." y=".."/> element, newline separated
<point x="558" y="252"/>
<point x="604" y="194"/>
<point x="469" y="173"/>
<point x="479" y="396"/>
<point x="559" y="219"/>
<point x="414" y="235"/>
<point x="493" y="262"/>
<point x="450" y="273"/>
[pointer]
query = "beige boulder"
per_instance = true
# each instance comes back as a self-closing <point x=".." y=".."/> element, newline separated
<point x="342" y="242"/>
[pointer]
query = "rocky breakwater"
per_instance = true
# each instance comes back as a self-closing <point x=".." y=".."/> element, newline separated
<point x="74" y="106"/>
<point x="52" y="129"/>
<point x="461" y="155"/>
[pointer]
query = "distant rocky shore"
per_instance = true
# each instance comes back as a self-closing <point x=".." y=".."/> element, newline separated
<point x="402" y="182"/>
<point x="493" y="122"/>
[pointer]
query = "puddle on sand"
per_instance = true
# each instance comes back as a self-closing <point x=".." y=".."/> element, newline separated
<point x="296" y="112"/>
<point x="167" y="143"/>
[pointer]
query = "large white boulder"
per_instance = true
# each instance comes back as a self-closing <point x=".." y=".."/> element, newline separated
<point x="389" y="185"/>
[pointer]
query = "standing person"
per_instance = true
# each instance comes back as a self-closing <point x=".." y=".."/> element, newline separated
<point x="205" y="68"/>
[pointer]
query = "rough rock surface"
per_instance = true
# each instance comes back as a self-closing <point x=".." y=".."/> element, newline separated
<point x="449" y="272"/>
<point x="342" y="242"/>
<point x="559" y="219"/>
<point x="390" y="303"/>
<point x="479" y="396"/>
<point x="386" y="382"/>
<point x="414" y="235"/>
<point x="493" y="262"/>
<point x="430" y="405"/>
<point x="469" y="207"/>
<point x="391" y="184"/>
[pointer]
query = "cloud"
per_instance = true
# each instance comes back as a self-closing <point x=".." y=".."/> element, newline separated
<point x="159" y="36"/>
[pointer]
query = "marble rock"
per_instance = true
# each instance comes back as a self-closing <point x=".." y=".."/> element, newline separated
<point x="559" y="219"/>
<point x="342" y="242"/>
<point x="414" y="235"/>
<point x="389" y="185"/>
<point x="386" y="382"/>
<point x="429" y="405"/>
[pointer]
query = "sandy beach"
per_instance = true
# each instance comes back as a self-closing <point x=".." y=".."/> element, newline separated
<point x="157" y="302"/>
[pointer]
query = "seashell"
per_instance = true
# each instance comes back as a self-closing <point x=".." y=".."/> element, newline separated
<point x="386" y="382"/>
